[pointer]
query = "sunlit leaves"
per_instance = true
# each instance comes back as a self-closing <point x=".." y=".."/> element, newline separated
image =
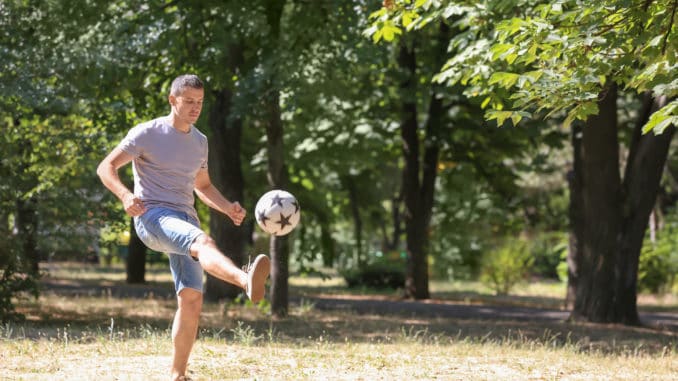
<point x="575" y="46"/>
<point x="502" y="116"/>
<point x="387" y="31"/>
<point x="662" y="119"/>
<point x="504" y="79"/>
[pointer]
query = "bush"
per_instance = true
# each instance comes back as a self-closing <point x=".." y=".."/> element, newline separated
<point x="563" y="267"/>
<point x="16" y="281"/>
<point x="548" y="250"/>
<point x="506" y="266"/>
<point x="658" y="263"/>
<point x="379" y="274"/>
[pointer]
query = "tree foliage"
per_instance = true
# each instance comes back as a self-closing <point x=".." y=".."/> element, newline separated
<point x="570" y="60"/>
<point x="80" y="74"/>
<point x="552" y="57"/>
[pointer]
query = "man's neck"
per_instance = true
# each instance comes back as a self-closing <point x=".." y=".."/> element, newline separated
<point x="177" y="124"/>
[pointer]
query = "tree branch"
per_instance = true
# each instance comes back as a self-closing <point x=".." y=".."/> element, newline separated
<point x="668" y="30"/>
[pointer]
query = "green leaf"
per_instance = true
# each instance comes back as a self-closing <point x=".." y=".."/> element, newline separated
<point x="485" y="102"/>
<point x="454" y="9"/>
<point x="390" y="31"/>
<point x="660" y="124"/>
<point x="515" y="118"/>
<point x="377" y="14"/>
<point x="569" y="119"/>
<point x="662" y="119"/>
<point x="377" y="35"/>
<point x="369" y="32"/>
<point x="504" y="79"/>
<point x="420" y="3"/>
<point x="500" y="116"/>
<point x="498" y="50"/>
<point x="408" y="17"/>
<point x="655" y="41"/>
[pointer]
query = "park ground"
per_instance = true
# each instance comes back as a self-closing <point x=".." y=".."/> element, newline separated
<point x="89" y="325"/>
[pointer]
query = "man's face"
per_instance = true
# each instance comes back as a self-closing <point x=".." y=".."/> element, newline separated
<point x="188" y="105"/>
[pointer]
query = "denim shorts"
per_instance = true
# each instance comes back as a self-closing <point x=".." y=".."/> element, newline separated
<point x="173" y="232"/>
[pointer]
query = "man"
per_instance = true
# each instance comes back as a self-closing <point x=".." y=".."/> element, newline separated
<point x="169" y="158"/>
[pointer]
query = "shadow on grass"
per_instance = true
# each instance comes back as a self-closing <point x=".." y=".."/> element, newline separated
<point x="334" y="314"/>
<point x="340" y="326"/>
<point x="88" y="318"/>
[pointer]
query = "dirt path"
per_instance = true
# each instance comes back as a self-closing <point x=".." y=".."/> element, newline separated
<point x="450" y="309"/>
<point x="370" y="305"/>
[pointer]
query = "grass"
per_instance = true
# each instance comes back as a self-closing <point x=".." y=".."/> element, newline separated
<point x="98" y="336"/>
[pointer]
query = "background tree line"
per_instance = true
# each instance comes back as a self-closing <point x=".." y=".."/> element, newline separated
<point x="391" y="148"/>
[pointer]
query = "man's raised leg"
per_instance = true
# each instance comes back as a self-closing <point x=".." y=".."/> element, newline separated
<point x="217" y="264"/>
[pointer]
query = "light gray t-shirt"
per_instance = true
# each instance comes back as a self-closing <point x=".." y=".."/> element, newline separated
<point x="165" y="164"/>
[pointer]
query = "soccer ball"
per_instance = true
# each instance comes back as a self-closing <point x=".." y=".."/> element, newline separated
<point x="277" y="212"/>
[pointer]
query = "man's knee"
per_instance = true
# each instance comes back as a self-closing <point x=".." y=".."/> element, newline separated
<point x="190" y="299"/>
<point x="203" y="241"/>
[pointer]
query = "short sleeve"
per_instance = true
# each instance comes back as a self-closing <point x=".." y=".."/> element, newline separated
<point x="203" y="164"/>
<point x="131" y="144"/>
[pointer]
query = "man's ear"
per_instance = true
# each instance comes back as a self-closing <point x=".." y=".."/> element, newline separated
<point x="172" y="100"/>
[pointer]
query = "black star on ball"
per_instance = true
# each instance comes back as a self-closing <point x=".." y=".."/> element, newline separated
<point x="277" y="200"/>
<point x="296" y="206"/>
<point x="284" y="221"/>
<point x="263" y="218"/>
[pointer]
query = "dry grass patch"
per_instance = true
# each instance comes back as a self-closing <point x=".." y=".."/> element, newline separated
<point x="408" y="355"/>
<point x="97" y="336"/>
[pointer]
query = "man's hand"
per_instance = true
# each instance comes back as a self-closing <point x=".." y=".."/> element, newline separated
<point x="133" y="205"/>
<point x="236" y="212"/>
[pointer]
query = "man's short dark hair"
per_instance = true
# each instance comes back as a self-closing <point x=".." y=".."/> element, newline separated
<point x="183" y="81"/>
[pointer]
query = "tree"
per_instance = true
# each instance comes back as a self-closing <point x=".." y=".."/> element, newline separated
<point x="569" y="58"/>
<point x="447" y="113"/>
<point x="418" y="188"/>
<point x="48" y="206"/>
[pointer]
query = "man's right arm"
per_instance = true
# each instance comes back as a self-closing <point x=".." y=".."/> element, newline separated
<point x="108" y="173"/>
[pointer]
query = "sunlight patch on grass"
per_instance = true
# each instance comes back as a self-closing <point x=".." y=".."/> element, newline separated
<point x="77" y="271"/>
<point x="413" y="356"/>
<point x="106" y="338"/>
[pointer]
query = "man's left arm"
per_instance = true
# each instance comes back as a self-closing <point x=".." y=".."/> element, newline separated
<point x="211" y="196"/>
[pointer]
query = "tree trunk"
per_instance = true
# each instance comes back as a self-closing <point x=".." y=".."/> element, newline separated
<point x="26" y="224"/>
<point x="394" y="242"/>
<point x="349" y="184"/>
<point x="416" y="282"/>
<point x="277" y="172"/>
<point x="280" y="254"/>
<point x="327" y="244"/>
<point x="136" y="258"/>
<point x="615" y="214"/>
<point x="644" y="169"/>
<point x="418" y="196"/>
<point x="576" y="218"/>
<point x="226" y="174"/>
<point x="434" y="131"/>
<point x="277" y="179"/>
<point x="594" y="298"/>
<point x="26" y="219"/>
<point x="4" y="227"/>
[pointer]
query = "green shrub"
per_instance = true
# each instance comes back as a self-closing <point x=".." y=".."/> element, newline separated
<point x="563" y="267"/>
<point x="506" y="266"/>
<point x="658" y="262"/>
<point x="16" y="280"/>
<point x="379" y="274"/>
<point x="548" y="249"/>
